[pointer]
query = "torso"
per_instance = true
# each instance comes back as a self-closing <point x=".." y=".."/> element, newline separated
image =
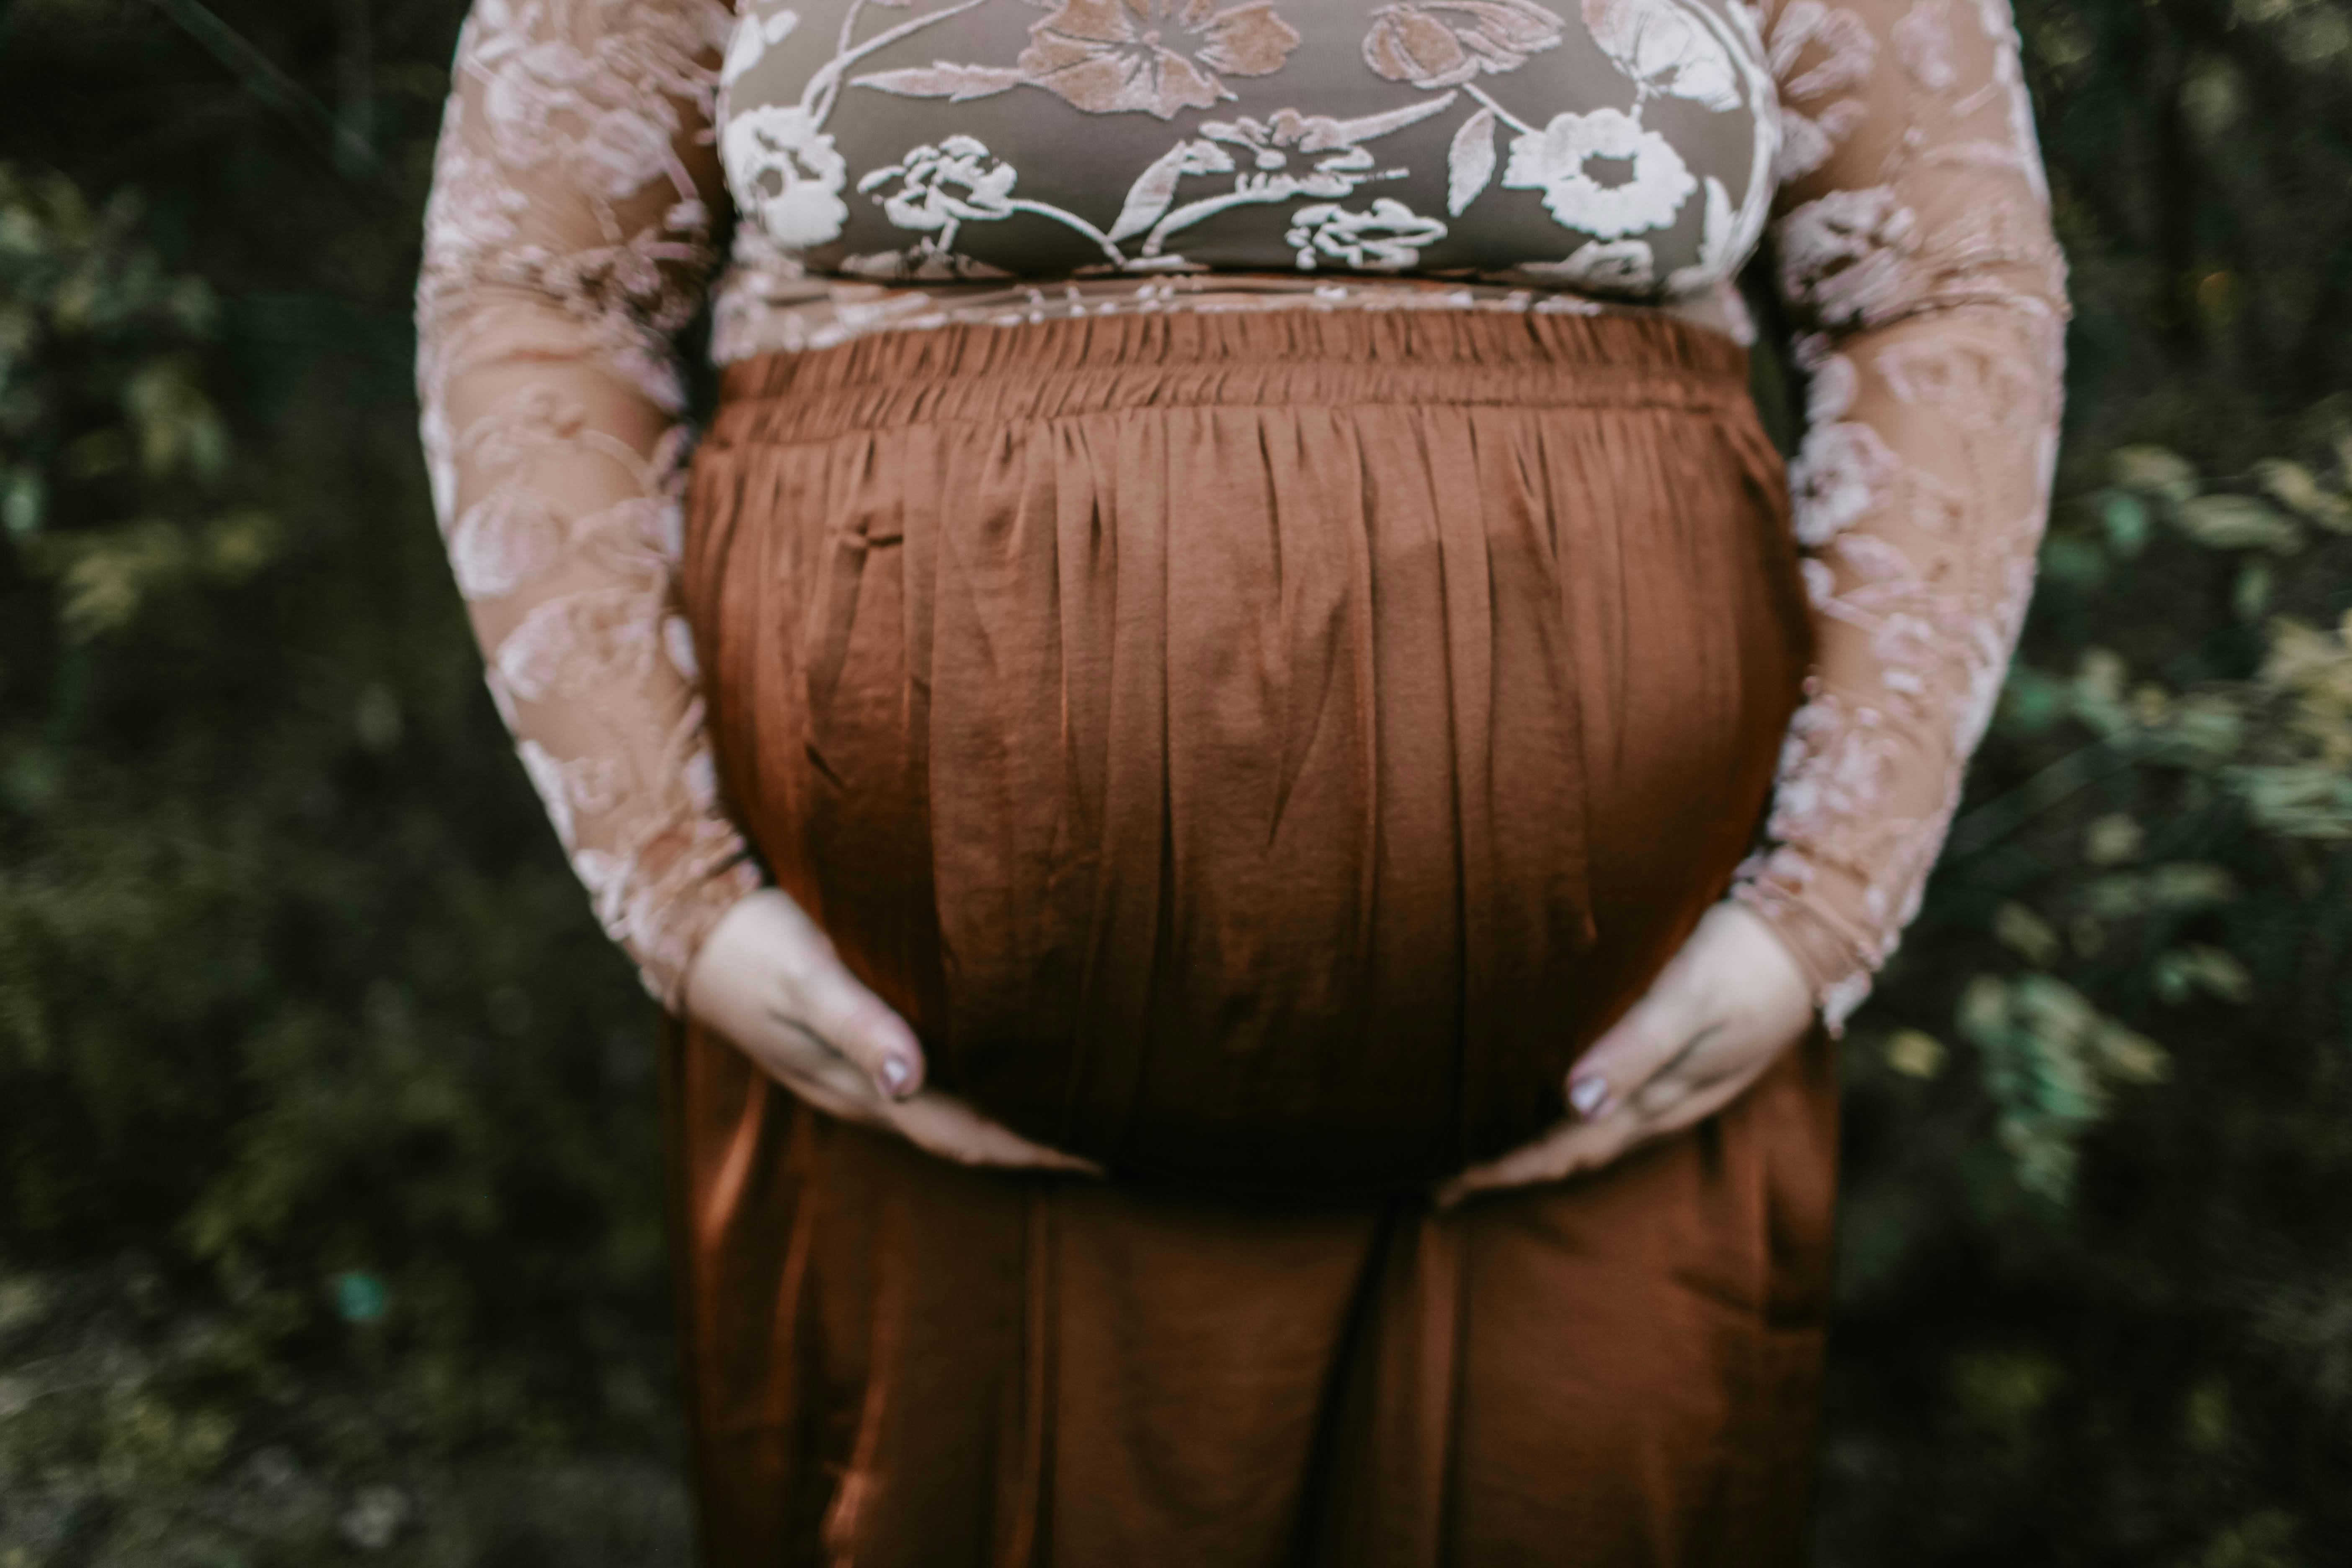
<point x="1323" y="920"/>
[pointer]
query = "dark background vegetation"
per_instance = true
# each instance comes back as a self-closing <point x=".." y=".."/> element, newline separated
<point x="329" y="1223"/>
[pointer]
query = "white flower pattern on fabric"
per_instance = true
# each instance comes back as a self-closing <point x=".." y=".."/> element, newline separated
<point x="1556" y="162"/>
<point x="753" y="35"/>
<point x="1890" y="143"/>
<point x="1112" y="55"/>
<point x="941" y="187"/>
<point x="1844" y="256"/>
<point x="1840" y="51"/>
<point x="1609" y="265"/>
<point x="1667" y="50"/>
<point x="1840" y="472"/>
<point x="1444" y="43"/>
<point x="785" y="173"/>
<point x="1387" y="238"/>
<point x="1167" y="58"/>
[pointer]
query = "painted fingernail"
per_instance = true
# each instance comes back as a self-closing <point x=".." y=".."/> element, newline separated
<point x="896" y="1074"/>
<point x="1589" y="1095"/>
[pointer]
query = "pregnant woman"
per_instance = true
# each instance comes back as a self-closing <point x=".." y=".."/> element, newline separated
<point x="1253" y="794"/>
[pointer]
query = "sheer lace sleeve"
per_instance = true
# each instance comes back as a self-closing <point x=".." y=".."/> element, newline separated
<point x="568" y="238"/>
<point x="1913" y="248"/>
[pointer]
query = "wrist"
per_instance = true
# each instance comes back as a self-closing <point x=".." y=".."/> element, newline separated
<point x="702" y="931"/>
<point x="1834" y="976"/>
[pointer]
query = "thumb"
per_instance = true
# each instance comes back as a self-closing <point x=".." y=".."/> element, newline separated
<point x="844" y="1015"/>
<point x="1652" y="1034"/>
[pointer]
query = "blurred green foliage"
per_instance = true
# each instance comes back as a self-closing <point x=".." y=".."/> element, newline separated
<point x="329" y="1223"/>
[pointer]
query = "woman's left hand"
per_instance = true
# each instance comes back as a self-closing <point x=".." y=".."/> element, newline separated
<point x="1729" y="1003"/>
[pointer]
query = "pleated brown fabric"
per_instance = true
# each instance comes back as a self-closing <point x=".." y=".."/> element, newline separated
<point x="894" y="1363"/>
<point x="1257" y="750"/>
<point x="1254" y="750"/>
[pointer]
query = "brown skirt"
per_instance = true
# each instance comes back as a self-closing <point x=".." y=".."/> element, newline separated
<point x="1257" y="750"/>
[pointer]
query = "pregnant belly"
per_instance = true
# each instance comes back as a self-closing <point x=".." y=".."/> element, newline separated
<point x="1258" y="796"/>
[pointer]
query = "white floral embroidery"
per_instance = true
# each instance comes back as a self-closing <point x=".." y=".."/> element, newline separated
<point x="1289" y="154"/>
<point x="1846" y="51"/>
<point x="1923" y="42"/>
<point x="1840" y="472"/>
<point x="571" y="117"/>
<point x="851" y="310"/>
<point x="506" y="538"/>
<point x="1343" y="161"/>
<point x="785" y="173"/>
<point x="1155" y="56"/>
<point x="1667" y="50"/>
<point x="1554" y="161"/>
<point x="1388" y="237"/>
<point x="940" y="187"/>
<point x="1832" y="380"/>
<point x="1168" y="58"/>
<point x="753" y="35"/>
<point x="1844" y="255"/>
<point x="1444" y="43"/>
<point x="1605" y="266"/>
<point x="922" y="262"/>
<point x="1721" y="246"/>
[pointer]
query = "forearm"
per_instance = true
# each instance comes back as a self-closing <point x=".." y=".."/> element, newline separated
<point x="566" y="243"/>
<point x="1914" y="248"/>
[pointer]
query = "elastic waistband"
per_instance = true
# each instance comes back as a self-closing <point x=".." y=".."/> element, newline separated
<point x="1301" y="357"/>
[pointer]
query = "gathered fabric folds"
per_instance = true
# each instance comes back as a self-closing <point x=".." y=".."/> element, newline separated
<point x="895" y="1362"/>
<point x="1254" y="750"/>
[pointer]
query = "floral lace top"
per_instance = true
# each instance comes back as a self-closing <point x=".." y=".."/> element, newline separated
<point x="898" y="163"/>
<point x="1105" y="144"/>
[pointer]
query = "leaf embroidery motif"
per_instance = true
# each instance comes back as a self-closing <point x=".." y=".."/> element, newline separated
<point x="1470" y="160"/>
<point x="1148" y="199"/>
<point x="1718" y="232"/>
<point x="943" y="79"/>
<point x="753" y="34"/>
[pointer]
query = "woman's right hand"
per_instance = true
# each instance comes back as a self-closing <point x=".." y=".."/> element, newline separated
<point x="771" y="981"/>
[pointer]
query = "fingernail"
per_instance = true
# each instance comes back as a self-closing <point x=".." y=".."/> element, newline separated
<point x="896" y="1074"/>
<point x="1589" y="1095"/>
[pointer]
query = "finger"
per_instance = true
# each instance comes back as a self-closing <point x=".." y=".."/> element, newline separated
<point x="1569" y="1147"/>
<point x="954" y="1130"/>
<point x="1653" y="1033"/>
<point x="1575" y="1147"/>
<point x="1712" y="1072"/>
<point x="1679" y="1104"/>
<point x="852" y="1020"/>
<point x="820" y="1075"/>
<point x="1715" y="1054"/>
<point x="1732" y="976"/>
<point x="1702" y="1100"/>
